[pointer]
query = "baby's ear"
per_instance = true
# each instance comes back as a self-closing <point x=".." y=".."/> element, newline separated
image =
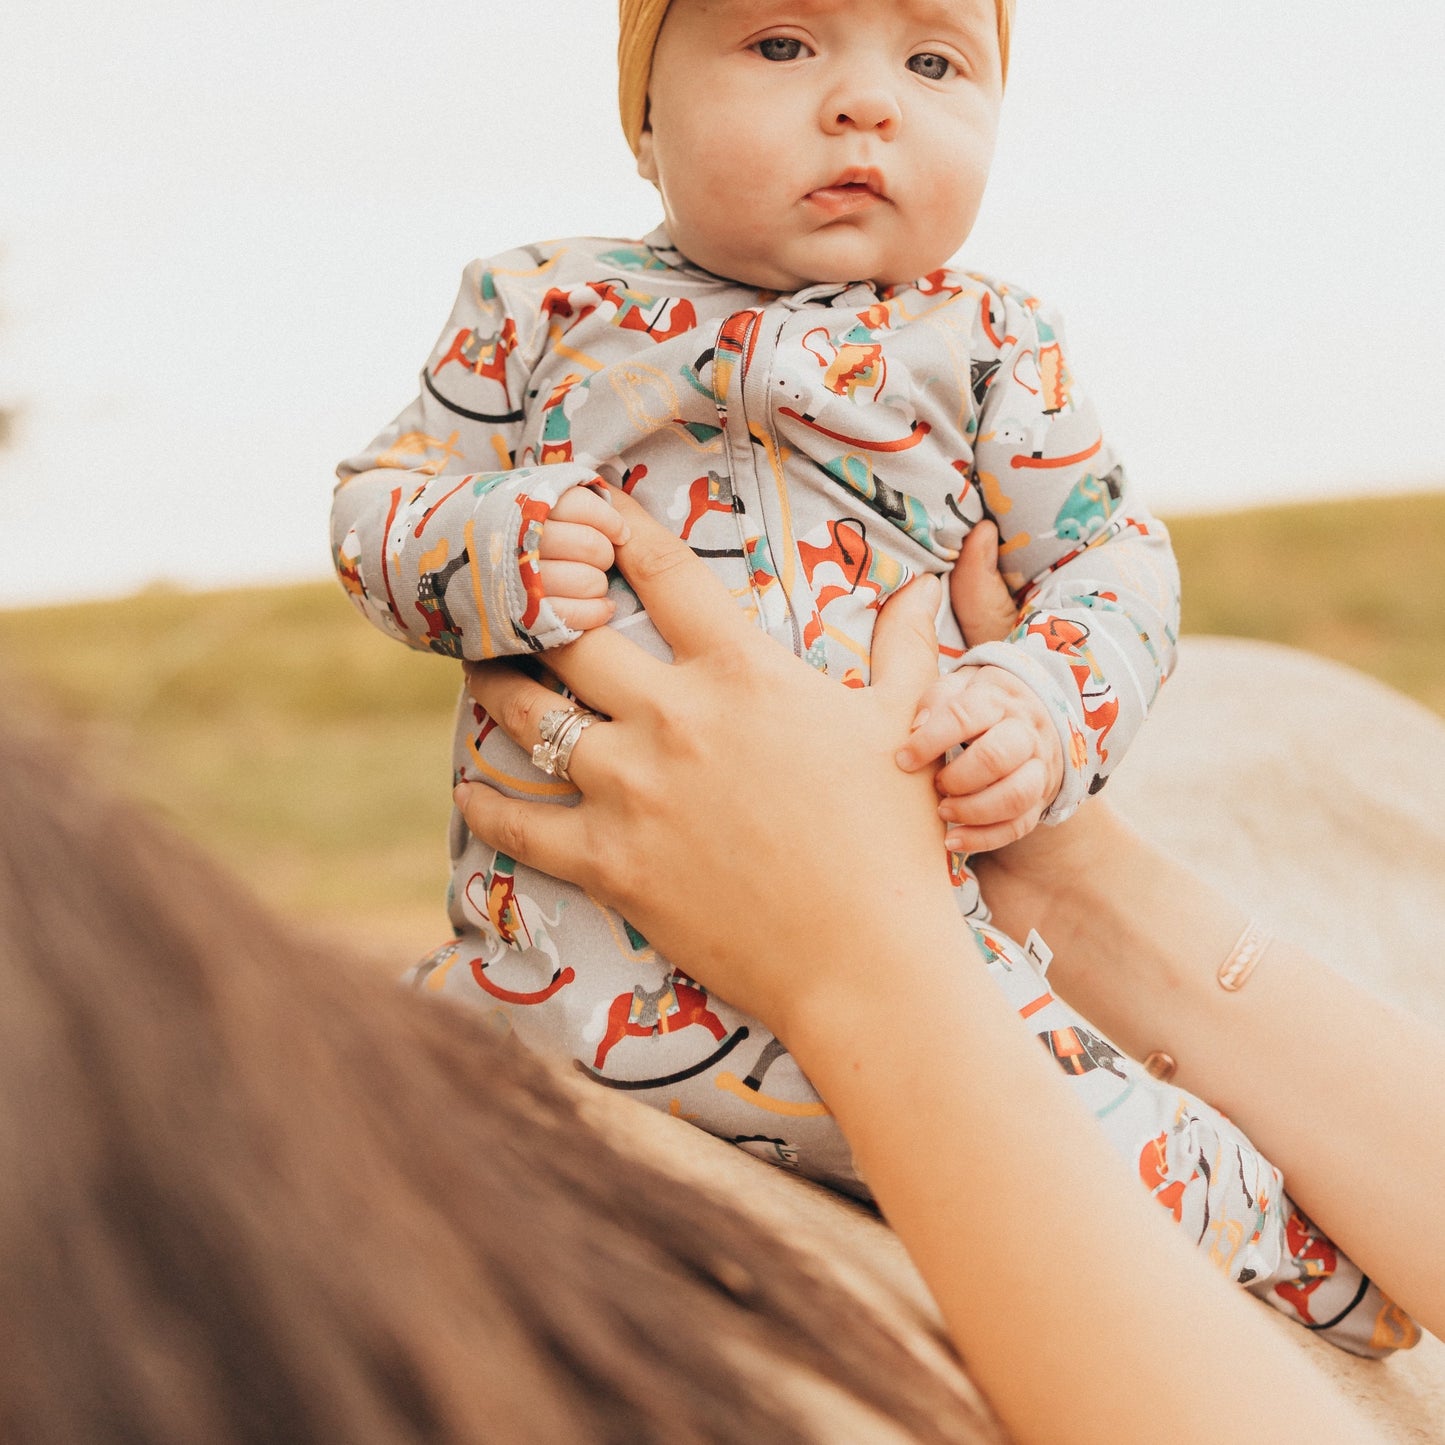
<point x="646" y="163"/>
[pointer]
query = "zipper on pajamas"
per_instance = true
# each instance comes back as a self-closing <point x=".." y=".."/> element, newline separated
<point x="754" y="368"/>
<point x="734" y="361"/>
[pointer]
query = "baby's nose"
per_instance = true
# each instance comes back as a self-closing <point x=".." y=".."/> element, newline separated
<point x="869" y="108"/>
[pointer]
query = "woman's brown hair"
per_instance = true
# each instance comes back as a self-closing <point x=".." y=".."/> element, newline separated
<point x="249" y="1193"/>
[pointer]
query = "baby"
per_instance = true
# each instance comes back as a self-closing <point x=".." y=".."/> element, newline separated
<point x="788" y="371"/>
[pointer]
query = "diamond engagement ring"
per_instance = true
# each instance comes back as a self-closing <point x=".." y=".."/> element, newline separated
<point x="560" y="730"/>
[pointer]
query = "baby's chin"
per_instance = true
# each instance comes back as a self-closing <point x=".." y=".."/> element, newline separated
<point x="842" y="269"/>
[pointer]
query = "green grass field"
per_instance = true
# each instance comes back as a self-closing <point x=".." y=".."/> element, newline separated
<point x="312" y="755"/>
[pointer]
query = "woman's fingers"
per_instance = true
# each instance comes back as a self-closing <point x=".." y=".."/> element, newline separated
<point x="517" y="704"/>
<point x="608" y="670"/>
<point x="688" y="605"/>
<point x="537" y="834"/>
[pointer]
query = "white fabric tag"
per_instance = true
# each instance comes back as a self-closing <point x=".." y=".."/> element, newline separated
<point x="1038" y="951"/>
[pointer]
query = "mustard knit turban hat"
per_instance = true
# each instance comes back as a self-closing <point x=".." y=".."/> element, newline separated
<point x="640" y="22"/>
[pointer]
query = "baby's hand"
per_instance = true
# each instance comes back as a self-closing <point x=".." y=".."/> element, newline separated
<point x="1012" y="764"/>
<point x="577" y="541"/>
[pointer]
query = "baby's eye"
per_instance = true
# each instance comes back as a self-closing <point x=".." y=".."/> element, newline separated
<point x="930" y="67"/>
<point x="780" y="47"/>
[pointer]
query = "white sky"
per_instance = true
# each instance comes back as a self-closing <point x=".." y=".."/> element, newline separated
<point x="230" y="233"/>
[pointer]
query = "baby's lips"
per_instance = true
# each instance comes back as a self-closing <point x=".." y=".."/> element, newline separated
<point x="844" y="200"/>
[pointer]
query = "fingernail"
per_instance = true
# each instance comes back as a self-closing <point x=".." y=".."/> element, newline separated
<point x="460" y="794"/>
<point x="904" y="759"/>
<point x="626" y="534"/>
<point x="953" y="842"/>
<point x="919" y="720"/>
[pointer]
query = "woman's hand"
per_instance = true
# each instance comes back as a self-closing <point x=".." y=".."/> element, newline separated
<point x="730" y="788"/>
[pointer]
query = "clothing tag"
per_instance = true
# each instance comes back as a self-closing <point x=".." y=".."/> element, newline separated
<point x="1038" y="951"/>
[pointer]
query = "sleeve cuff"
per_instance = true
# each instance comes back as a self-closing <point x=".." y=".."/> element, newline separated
<point x="529" y="502"/>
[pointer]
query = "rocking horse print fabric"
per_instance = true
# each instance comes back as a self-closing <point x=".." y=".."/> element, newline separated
<point x="818" y="449"/>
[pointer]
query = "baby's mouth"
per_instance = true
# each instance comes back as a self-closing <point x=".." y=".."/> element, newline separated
<point x="854" y="190"/>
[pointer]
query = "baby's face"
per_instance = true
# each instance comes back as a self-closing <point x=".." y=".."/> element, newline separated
<point x="799" y="141"/>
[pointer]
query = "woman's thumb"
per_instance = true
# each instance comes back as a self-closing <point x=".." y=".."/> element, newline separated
<point x="981" y="600"/>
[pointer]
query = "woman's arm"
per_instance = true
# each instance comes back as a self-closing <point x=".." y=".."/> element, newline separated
<point x="1337" y="1087"/>
<point x="747" y="815"/>
<point x="1344" y="1092"/>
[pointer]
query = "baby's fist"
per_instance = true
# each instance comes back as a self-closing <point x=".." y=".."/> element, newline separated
<point x="578" y="539"/>
<point x="1012" y="764"/>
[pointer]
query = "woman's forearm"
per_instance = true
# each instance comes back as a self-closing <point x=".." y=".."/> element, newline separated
<point x="1016" y="1213"/>
<point x="1336" y="1086"/>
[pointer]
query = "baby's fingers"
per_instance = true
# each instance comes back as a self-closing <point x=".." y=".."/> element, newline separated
<point x="582" y="615"/>
<point x="584" y="507"/>
<point x="998" y="814"/>
<point x="578" y="593"/>
<point x="931" y="737"/>
<point x="575" y="542"/>
<point x="953" y="710"/>
<point x="569" y="580"/>
<point x="998" y="753"/>
<point x="1018" y="794"/>
<point x="988" y="836"/>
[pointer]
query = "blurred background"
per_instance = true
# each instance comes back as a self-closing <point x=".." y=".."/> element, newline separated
<point x="229" y="236"/>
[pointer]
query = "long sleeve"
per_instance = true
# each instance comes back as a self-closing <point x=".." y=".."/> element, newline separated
<point x="434" y="531"/>
<point x="1092" y="570"/>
